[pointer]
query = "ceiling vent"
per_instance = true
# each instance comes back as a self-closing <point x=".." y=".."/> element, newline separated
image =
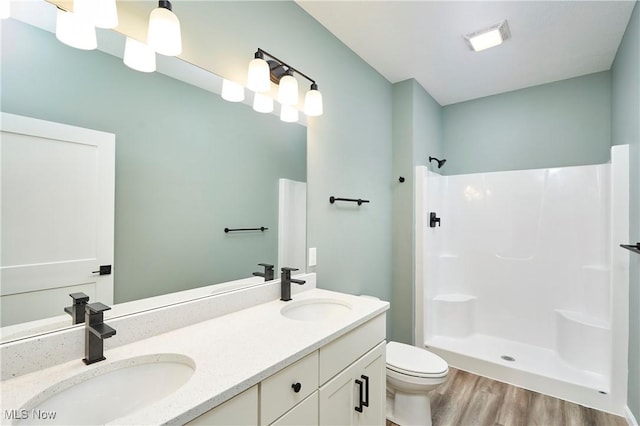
<point x="490" y="37"/>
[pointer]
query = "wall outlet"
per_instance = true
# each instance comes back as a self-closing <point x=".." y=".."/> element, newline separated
<point x="312" y="256"/>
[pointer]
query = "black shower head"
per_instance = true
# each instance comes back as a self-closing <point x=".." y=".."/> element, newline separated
<point x="440" y="162"/>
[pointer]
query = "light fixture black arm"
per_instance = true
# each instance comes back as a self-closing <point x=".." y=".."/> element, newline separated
<point x="260" y="53"/>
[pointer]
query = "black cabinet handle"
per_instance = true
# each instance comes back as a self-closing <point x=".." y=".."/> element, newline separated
<point x="296" y="387"/>
<point x="360" y="402"/>
<point x="365" y="401"/>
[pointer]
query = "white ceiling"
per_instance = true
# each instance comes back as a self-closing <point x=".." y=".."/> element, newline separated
<point x="550" y="41"/>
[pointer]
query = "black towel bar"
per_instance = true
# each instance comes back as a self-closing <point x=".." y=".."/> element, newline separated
<point x="262" y="228"/>
<point x="333" y="199"/>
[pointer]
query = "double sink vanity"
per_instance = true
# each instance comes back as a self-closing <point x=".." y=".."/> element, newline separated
<point x="242" y="357"/>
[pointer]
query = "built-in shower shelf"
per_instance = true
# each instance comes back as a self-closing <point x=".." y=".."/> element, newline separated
<point x="635" y="249"/>
<point x="584" y="319"/>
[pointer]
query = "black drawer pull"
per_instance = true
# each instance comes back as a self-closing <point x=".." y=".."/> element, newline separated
<point x="365" y="402"/>
<point x="296" y="387"/>
<point x="360" y="402"/>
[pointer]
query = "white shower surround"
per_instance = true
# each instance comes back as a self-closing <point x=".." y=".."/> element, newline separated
<point x="526" y="264"/>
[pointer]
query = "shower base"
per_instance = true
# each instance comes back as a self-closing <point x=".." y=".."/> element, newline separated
<point x="527" y="366"/>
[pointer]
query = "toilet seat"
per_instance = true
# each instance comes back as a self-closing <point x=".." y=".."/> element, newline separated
<point x="415" y="362"/>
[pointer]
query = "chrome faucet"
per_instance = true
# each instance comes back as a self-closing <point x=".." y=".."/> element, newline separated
<point x="76" y="310"/>
<point x="95" y="331"/>
<point x="285" y="283"/>
<point x="268" y="272"/>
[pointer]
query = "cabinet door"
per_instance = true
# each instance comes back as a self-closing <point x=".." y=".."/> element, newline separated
<point x="337" y="400"/>
<point x="240" y="410"/>
<point x="373" y="370"/>
<point x="343" y="396"/>
<point x="303" y="414"/>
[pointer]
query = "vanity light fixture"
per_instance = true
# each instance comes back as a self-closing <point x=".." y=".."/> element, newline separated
<point x="232" y="91"/>
<point x="288" y="113"/>
<point x="164" y="30"/>
<point x="74" y="31"/>
<point x="262" y="103"/>
<point x="258" y="74"/>
<point x="264" y="72"/>
<point x="139" y="56"/>
<point x="313" y="102"/>
<point x="490" y="37"/>
<point x="5" y="9"/>
<point x="288" y="89"/>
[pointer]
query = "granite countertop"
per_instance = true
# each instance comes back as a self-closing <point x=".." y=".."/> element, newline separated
<point x="231" y="353"/>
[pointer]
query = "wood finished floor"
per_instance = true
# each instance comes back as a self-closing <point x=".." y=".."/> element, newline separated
<point x="466" y="399"/>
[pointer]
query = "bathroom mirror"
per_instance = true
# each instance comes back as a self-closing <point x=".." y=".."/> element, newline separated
<point x="188" y="164"/>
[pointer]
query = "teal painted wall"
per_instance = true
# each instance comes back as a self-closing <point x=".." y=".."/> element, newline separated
<point x="417" y="134"/>
<point x="428" y="137"/>
<point x="625" y="129"/>
<point x="348" y="148"/>
<point x="176" y="183"/>
<point x="565" y="123"/>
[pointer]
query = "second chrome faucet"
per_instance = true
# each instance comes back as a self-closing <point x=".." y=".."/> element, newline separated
<point x="285" y="283"/>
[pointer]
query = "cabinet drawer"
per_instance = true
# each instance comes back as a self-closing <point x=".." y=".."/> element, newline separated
<point x="240" y="410"/>
<point x="277" y="394"/>
<point x="337" y="355"/>
<point x="303" y="414"/>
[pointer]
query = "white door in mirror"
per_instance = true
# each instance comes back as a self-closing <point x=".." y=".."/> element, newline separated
<point x="57" y="216"/>
<point x="312" y="257"/>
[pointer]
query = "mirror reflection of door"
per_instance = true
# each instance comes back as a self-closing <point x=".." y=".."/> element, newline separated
<point x="57" y="216"/>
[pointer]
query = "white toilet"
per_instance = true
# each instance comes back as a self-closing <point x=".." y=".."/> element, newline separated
<point x="411" y="373"/>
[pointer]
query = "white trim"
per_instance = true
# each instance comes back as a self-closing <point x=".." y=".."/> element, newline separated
<point x="628" y="415"/>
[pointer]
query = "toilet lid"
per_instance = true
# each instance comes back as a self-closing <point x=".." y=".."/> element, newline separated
<point x="414" y="361"/>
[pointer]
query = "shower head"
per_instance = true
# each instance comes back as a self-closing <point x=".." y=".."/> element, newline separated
<point x="440" y="162"/>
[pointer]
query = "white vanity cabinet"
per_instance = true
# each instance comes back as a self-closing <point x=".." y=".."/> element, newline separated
<point x="287" y="388"/>
<point x="242" y="409"/>
<point x="356" y="396"/>
<point x="342" y="383"/>
<point x="353" y="377"/>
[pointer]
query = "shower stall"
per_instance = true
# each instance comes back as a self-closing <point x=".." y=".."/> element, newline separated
<point x="522" y="279"/>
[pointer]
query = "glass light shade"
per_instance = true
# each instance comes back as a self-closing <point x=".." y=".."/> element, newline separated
<point x="232" y="91"/>
<point x="75" y="32"/>
<point x="258" y="76"/>
<point x="288" y="114"/>
<point x="5" y="9"/>
<point x="106" y="14"/>
<point x="262" y="103"/>
<point x="313" y="103"/>
<point x="164" y="32"/>
<point x="139" y="56"/>
<point x="288" y="90"/>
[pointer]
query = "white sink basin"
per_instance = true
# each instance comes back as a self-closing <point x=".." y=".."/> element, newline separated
<point x="109" y="392"/>
<point x="315" y="309"/>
